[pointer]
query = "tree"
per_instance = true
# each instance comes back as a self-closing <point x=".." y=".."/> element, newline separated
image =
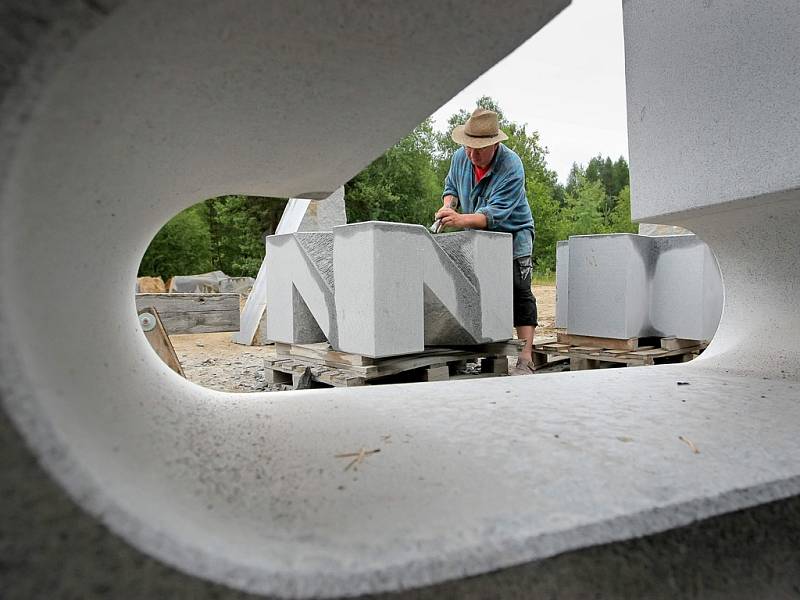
<point x="399" y="186"/>
<point x="237" y="227"/>
<point x="621" y="215"/>
<point x="182" y="246"/>
<point x="583" y="213"/>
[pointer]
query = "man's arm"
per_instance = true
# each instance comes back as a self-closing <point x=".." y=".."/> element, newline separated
<point x="449" y="201"/>
<point x="451" y="218"/>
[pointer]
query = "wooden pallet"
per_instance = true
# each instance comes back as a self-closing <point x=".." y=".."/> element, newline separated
<point x="301" y="364"/>
<point x="606" y="352"/>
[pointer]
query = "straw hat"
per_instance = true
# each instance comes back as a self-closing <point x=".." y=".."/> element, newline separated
<point x="479" y="131"/>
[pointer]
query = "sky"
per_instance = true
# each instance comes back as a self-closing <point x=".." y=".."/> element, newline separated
<point x="567" y="82"/>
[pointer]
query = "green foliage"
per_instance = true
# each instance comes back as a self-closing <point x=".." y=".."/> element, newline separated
<point x="400" y="186"/>
<point x="237" y="226"/>
<point x="225" y="234"/>
<point x="583" y="213"/>
<point x="182" y="246"/>
<point x="621" y="215"/>
<point x="403" y="185"/>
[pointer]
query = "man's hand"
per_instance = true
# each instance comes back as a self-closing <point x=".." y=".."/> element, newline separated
<point x="451" y="218"/>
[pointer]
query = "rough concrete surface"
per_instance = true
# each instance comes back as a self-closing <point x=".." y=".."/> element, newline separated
<point x="473" y="477"/>
<point x="749" y="554"/>
<point x="700" y="80"/>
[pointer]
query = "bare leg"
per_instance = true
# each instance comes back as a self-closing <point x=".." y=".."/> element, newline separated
<point x="526" y="332"/>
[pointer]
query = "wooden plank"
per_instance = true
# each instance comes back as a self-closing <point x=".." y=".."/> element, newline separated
<point x="579" y="363"/>
<point x="160" y="341"/>
<point x="350" y="359"/>
<point x="555" y="347"/>
<point x="194" y="313"/>
<point x="673" y="343"/>
<point x="539" y="359"/>
<point x="507" y="348"/>
<point x="650" y="352"/>
<point x="323" y="352"/>
<point x="625" y="359"/>
<point x="392" y="367"/>
<point x="294" y="359"/>
<point x="438" y="372"/>
<point x="610" y="343"/>
<point x="496" y="365"/>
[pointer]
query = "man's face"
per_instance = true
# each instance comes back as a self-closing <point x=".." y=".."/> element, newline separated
<point x="481" y="157"/>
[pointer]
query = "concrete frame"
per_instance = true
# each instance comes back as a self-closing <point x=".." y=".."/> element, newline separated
<point x="247" y="491"/>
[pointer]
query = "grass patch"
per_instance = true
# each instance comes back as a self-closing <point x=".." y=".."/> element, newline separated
<point x="548" y="278"/>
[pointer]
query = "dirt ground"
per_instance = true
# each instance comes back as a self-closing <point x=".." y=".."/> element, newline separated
<point x="214" y="361"/>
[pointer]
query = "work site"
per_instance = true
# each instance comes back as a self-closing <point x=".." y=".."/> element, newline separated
<point x="287" y="329"/>
<point x="399" y="301"/>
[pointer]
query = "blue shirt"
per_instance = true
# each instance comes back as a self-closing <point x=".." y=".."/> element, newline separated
<point x="500" y="195"/>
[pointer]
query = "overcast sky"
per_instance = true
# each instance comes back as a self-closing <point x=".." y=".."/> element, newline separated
<point x="567" y="82"/>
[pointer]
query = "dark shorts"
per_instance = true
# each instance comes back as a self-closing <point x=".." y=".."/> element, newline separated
<point x="524" y="301"/>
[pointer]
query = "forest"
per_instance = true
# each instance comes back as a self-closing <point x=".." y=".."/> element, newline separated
<point x="403" y="185"/>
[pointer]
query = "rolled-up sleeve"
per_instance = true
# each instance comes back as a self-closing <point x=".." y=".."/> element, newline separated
<point x="450" y="182"/>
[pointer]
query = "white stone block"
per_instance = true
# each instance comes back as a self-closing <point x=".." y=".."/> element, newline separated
<point x="300" y="288"/>
<point x="686" y="293"/>
<point x="379" y="292"/>
<point x="608" y="285"/>
<point x="413" y="289"/>
<point x="562" y="283"/>
<point x="626" y="285"/>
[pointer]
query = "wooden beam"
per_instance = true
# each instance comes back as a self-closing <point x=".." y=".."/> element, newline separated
<point x="598" y="342"/>
<point x="194" y="313"/>
<point x="673" y="343"/>
<point x="159" y="340"/>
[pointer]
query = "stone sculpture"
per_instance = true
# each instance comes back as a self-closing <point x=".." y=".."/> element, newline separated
<point x="113" y="464"/>
<point x="383" y="289"/>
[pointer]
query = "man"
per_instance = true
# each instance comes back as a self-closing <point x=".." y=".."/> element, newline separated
<point x="487" y="180"/>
